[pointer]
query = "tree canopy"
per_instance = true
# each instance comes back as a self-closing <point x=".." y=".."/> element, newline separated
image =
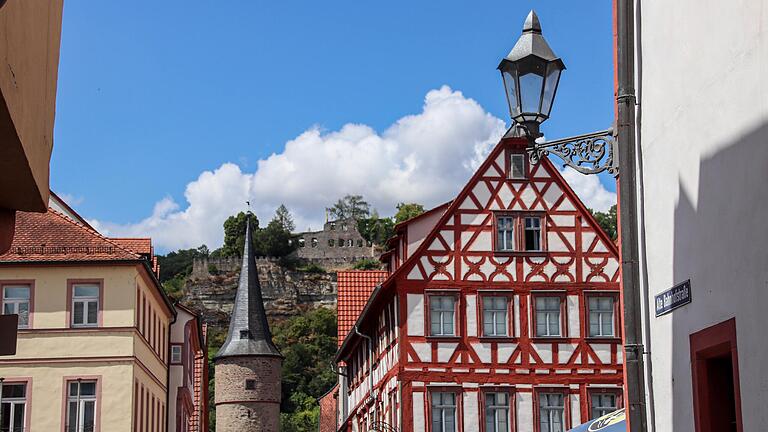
<point x="273" y="240"/>
<point x="407" y="211"/>
<point x="607" y="221"/>
<point x="350" y="207"/>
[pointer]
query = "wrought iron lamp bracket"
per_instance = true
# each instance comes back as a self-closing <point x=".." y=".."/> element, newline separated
<point x="590" y="153"/>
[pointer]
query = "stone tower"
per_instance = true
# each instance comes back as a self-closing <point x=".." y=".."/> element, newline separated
<point x="248" y="364"/>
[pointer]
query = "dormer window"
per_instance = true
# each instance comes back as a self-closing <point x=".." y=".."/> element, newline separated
<point x="517" y="166"/>
<point x="245" y="334"/>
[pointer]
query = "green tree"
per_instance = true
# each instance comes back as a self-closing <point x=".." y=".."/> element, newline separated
<point x="285" y="219"/>
<point x="407" y="211"/>
<point x="350" y="207"/>
<point x="607" y="221"/>
<point x="308" y="343"/>
<point x="274" y="240"/>
<point x="367" y="264"/>
<point x="375" y="229"/>
<point x="179" y="262"/>
<point x="234" y="234"/>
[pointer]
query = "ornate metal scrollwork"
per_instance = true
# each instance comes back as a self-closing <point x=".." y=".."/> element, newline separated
<point x="588" y="154"/>
<point x="382" y="427"/>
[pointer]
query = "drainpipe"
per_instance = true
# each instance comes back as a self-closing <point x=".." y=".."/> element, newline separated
<point x="370" y="361"/>
<point x="168" y="373"/>
<point x="634" y="379"/>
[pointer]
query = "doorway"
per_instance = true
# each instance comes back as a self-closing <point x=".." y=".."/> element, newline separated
<point x="715" y="369"/>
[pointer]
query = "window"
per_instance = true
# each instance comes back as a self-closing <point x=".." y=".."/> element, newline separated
<point x="245" y="334"/>
<point x="552" y="412"/>
<point x="350" y="242"/>
<point x="496" y="412"/>
<point x="176" y="354"/>
<point x="14" y="407"/>
<point x="495" y="316"/>
<point x="85" y="305"/>
<point x="603" y="403"/>
<point x="443" y="412"/>
<point x="601" y="318"/>
<point x="505" y="230"/>
<point x="81" y="406"/>
<point x="314" y="241"/>
<point x="344" y="227"/>
<point x="16" y="301"/>
<point x="331" y="242"/>
<point x="442" y="315"/>
<point x="359" y="243"/>
<point x="548" y="316"/>
<point x="332" y="226"/>
<point x="250" y="384"/>
<point x="301" y="243"/>
<point x="517" y="166"/>
<point x="533" y="233"/>
<point x="341" y="242"/>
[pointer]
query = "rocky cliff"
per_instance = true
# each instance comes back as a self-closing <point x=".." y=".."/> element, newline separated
<point x="212" y="285"/>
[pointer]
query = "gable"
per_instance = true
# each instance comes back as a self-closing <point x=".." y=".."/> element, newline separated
<point x="461" y="245"/>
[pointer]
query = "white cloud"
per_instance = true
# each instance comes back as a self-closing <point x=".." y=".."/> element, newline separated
<point x="425" y="158"/>
<point x="590" y="190"/>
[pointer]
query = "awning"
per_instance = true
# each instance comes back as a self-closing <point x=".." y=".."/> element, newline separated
<point x="613" y="422"/>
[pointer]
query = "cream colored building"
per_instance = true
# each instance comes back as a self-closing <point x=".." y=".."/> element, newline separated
<point x="92" y="351"/>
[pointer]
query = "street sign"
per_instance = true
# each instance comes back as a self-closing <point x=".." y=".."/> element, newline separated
<point x="673" y="298"/>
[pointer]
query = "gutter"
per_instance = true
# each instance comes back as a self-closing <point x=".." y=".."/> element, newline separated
<point x="370" y="362"/>
<point x="634" y="376"/>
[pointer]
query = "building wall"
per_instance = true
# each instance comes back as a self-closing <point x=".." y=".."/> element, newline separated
<point x="335" y="231"/>
<point x="239" y="409"/>
<point x="116" y="352"/>
<point x="704" y="129"/>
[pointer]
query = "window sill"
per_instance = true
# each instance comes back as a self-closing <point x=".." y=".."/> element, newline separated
<point x="439" y="338"/>
<point x="498" y="338"/>
<point x="549" y="339"/>
<point x="532" y="254"/>
<point x="607" y="339"/>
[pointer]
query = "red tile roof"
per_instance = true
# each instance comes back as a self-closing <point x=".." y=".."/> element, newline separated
<point x="353" y="289"/>
<point x="137" y="245"/>
<point x="328" y="404"/>
<point x="52" y="236"/>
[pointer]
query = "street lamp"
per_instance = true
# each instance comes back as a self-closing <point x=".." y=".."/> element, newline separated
<point x="531" y="74"/>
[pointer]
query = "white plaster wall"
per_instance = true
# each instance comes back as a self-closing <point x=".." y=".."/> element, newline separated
<point x="419" y="419"/>
<point x="415" y="319"/>
<point x="524" y="411"/>
<point x="419" y="229"/>
<point x="704" y="140"/>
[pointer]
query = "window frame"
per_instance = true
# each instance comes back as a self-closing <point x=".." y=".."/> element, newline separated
<point x="96" y="398"/>
<point x="519" y="233"/>
<point x="508" y="166"/>
<point x="510" y="406"/>
<point x="524" y="231"/>
<point x="27" y="382"/>
<point x="456" y="310"/>
<point x="70" y="315"/>
<point x="181" y="353"/>
<point x="563" y="314"/>
<point x="615" y="391"/>
<point x="509" y="296"/>
<point x="538" y="392"/>
<point x="616" y="315"/>
<point x="457" y="406"/>
<point x="29" y="283"/>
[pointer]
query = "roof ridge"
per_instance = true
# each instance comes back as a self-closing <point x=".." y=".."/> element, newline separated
<point x="92" y="232"/>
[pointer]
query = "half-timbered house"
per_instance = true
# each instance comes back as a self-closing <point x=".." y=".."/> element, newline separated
<point x="500" y="312"/>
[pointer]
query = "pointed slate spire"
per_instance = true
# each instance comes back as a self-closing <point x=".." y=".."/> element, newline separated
<point x="249" y="333"/>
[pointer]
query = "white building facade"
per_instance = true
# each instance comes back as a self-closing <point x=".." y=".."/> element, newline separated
<point x="702" y="125"/>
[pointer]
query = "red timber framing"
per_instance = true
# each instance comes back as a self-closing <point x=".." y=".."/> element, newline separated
<point x="456" y="256"/>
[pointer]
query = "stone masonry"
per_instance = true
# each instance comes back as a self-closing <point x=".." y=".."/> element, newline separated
<point x="339" y="240"/>
<point x="248" y="394"/>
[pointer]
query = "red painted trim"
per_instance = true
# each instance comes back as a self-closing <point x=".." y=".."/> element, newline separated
<point x="135" y="405"/>
<point x="65" y="393"/>
<point x="31" y="284"/>
<point x="70" y="287"/>
<point x="716" y="341"/>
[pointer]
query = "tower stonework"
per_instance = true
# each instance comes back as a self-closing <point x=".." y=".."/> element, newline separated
<point x="248" y="363"/>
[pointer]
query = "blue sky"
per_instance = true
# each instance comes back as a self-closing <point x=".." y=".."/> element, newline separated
<point x="153" y="94"/>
